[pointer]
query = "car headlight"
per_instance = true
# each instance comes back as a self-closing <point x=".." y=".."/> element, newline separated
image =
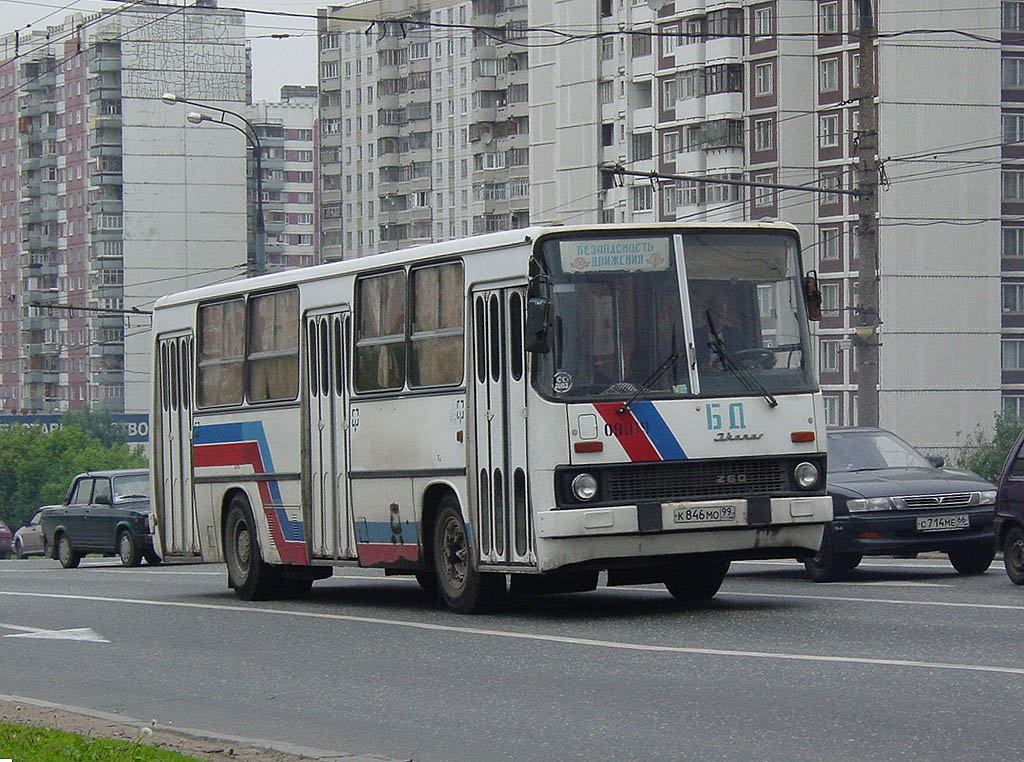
<point x="869" y="504"/>
<point x="584" y="487"/>
<point x="986" y="497"/>
<point x="806" y="475"/>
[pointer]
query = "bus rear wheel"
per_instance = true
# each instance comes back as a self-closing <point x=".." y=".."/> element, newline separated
<point x="696" y="579"/>
<point x="464" y="588"/>
<point x="251" y="578"/>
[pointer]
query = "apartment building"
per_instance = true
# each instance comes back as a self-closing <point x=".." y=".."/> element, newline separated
<point x="424" y="124"/>
<point x="285" y="131"/>
<point x="762" y="91"/>
<point x="108" y="199"/>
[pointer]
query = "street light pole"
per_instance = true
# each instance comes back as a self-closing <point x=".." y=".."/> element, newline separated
<point x="258" y="259"/>
<point x="866" y="314"/>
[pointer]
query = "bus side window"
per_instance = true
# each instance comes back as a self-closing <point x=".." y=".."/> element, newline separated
<point x="221" y="353"/>
<point x="274" y="346"/>
<point x="436" y="344"/>
<point x="380" y="334"/>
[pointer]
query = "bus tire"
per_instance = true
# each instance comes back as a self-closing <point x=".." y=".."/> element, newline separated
<point x="463" y="588"/>
<point x="251" y="578"/>
<point x="696" y="579"/>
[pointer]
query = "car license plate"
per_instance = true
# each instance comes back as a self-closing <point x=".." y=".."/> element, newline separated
<point x="704" y="514"/>
<point x="943" y="523"/>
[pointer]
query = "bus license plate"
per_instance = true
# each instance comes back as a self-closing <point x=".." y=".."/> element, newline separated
<point x="943" y="523"/>
<point x="704" y="514"/>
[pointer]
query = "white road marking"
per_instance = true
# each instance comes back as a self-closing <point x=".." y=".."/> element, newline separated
<point x="545" y="638"/>
<point x="75" y="633"/>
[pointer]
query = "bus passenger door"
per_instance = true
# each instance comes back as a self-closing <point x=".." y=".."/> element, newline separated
<point x="326" y="504"/>
<point x="172" y="442"/>
<point x="499" y="419"/>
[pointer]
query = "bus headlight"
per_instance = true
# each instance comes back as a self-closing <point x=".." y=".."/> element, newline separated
<point x="806" y="475"/>
<point x="584" y="487"/>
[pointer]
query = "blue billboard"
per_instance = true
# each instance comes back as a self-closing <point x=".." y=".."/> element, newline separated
<point x="134" y="425"/>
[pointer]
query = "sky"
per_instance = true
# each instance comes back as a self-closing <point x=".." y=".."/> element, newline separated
<point x="275" y="62"/>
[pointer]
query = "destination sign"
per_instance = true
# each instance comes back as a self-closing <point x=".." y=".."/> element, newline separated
<point x="610" y="254"/>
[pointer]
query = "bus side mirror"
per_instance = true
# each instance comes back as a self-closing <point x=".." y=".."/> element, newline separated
<point x="812" y="295"/>
<point x="537" y="325"/>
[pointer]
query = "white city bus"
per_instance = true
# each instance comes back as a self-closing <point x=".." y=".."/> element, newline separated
<point x="529" y="407"/>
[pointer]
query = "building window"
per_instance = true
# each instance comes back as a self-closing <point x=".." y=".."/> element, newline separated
<point x="1013" y="72"/>
<point x="828" y="242"/>
<point x="668" y="41"/>
<point x="669" y="93"/>
<point x="764" y="197"/>
<point x="1012" y="354"/>
<point x="1013" y="298"/>
<point x="640" y="146"/>
<point x="831" y="180"/>
<point x="605" y="91"/>
<point x="641" y="44"/>
<point x="607" y="48"/>
<point x="1013" y="128"/>
<point x="762" y="22"/>
<point x="1013" y="406"/>
<point x="1013" y="16"/>
<point x="831" y="410"/>
<point x="828" y="22"/>
<point x="828" y="131"/>
<point x="830" y="356"/>
<point x="830" y="299"/>
<point x="1013" y="185"/>
<point x="828" y="75"/>
<point x="1013" y="242"/>
<point x="669" y="145"/>
<point x="764" y="79"/>
<point x="763" y="135"/>
<point x="642" y="197"/>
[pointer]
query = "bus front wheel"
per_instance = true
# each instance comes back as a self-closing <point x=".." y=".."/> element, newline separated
<point x="696" y="579"/>
<point x="464" y="588"/>
<point x="251" y="578"/>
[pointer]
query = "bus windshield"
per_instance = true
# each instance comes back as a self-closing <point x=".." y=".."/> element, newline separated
<point x="616" y="322"/>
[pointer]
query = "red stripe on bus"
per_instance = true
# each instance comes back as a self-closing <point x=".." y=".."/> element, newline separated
<point x="628" y="431"/>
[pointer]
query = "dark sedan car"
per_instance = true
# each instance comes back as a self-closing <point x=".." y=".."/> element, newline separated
<point x="105" y="512"/>
<point x="1010" y="513"/>
<point x="891" y="501"/>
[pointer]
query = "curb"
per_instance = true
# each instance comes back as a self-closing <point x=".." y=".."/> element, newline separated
<point x="296" y="750"/>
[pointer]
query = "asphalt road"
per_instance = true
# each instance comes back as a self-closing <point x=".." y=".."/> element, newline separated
<point x="907" y="661"/>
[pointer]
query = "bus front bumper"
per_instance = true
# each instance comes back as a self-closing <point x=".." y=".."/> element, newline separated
<point x="748" y="528"/>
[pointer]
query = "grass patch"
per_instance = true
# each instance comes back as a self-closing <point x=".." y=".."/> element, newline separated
<point x="25" y="743"/>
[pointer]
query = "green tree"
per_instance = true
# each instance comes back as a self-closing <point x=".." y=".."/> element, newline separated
<point x="984" y="453"/>
<point x="36" y="467"/>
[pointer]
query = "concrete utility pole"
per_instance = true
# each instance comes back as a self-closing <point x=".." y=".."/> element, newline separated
<point x="866" y="314"/>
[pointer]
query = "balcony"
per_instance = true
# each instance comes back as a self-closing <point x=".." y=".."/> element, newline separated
<point x="40" y="376"/>
<point x="39" y="241"/>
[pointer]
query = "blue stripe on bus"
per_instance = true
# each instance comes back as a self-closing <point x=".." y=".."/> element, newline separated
<point x="382" y="532"/>
<point x="660" y="434"/>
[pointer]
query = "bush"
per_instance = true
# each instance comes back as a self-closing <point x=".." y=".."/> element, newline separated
<point x="985" y="453"/>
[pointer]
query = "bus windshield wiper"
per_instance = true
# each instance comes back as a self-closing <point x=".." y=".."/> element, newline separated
<point x="660" y="371"/>
<point x="728" y="363"/>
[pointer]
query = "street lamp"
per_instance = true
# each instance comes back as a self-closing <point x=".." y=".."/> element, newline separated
<point x="259" y="258"/>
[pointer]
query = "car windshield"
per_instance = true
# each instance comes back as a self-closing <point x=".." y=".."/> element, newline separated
<point x="871" y="451"/>
<point x="133" y="487"/>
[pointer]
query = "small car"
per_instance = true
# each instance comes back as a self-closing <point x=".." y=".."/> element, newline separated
<point x="104" y="512"/>
<point x="1009" y="524"/>
<point x="5" y="541"/>
<point x="889" y="500"/>
<point x="28" y="541"/>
